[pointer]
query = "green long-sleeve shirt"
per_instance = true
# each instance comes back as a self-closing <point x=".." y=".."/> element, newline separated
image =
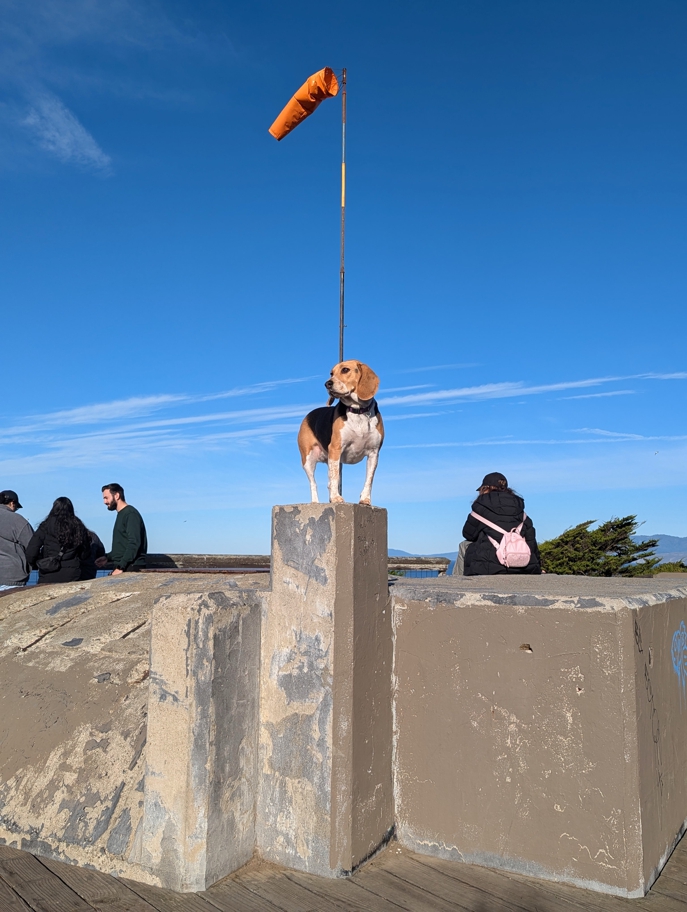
<point x="129" y="540"/>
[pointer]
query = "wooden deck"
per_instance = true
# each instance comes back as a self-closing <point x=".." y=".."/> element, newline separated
<point x="396" y="880"/>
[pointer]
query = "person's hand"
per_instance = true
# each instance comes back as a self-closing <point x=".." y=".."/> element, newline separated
<point x="117" y="571"/>
<point x="100" y="561"/>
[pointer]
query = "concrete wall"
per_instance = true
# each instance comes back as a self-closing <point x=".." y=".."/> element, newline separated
<point x="660" y="647"/>
<point x="325" y="797"/>
<point x="95" y="769"/>
<point x="532" y="733"/>
<point x="164" y="727"/>
<point x="199" y="806"/>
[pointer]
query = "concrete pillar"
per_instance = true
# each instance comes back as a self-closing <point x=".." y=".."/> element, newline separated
<point x="325" y="783"/>
<point x="199" y="803"/>
<point x="541" y="724"/>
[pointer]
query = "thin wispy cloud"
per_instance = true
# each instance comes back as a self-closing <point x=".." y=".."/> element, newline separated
<point x="435" y="367"/>
<point x="510" y="390"/>
<point x="621" y="435"/>
<point x="607" y="437"/>
<point x="57" y="130"/>
<point x="600" y="395"/>
<point x="42" y="57"/>
<point x="139" y="406"/>
<point x="403" y="389"/>
<point x="138" y="427"/>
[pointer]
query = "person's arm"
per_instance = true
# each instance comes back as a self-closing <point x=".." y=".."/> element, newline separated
<point x="25" y="536"/>
<point x="471" y="529"/>
<point x="85" y="549"/>
<point x="97" y="545"/>
<point x="133" y="533"/>
<point x="530" y="536"/>
<point x="33" y="547"/>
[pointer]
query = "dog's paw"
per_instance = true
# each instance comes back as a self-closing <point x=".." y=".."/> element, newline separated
<point x="366" y="501"/>
<point x="337" y="498"/>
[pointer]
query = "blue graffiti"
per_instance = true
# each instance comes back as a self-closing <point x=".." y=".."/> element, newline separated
<point x="678" y="654"/>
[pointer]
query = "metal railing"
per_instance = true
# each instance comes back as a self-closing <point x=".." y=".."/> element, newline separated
<point x="400" y="566"/>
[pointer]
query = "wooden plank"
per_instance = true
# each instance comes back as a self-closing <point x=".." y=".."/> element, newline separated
<point x="42" y="890"/>
<point x="672" y="886"/>
<point x="382" y="883"/>
<point x="554" y="896"/>
<point x="271" y="884"/>
<point x="655" y="902"/>
<point x="167" y="900"/>
<point x="522" y="892"/>
<point x="677" y="864"/>
<point x="9" y="852"/>
<point x="102" y="891"/>
<point x="10" y="901"/>
<point x="451" y="889"/>
<point x="230" y="896"/>
<point x="344" y="892"/>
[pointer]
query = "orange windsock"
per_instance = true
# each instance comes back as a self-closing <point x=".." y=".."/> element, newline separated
<point x="321" y="85"/>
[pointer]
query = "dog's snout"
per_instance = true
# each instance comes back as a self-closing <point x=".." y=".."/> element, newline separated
<point x="329" y="383"/>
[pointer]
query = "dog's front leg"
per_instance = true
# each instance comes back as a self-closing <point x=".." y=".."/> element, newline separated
<point x="366" y="495"/>
<point x="310" y="464"/>
<point x="334" y="467"/>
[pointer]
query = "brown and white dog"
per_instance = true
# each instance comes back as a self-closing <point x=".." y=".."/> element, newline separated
<point x="346" y="433"/>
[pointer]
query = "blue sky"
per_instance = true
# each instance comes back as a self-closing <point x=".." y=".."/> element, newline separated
<point x="515" y="258"/>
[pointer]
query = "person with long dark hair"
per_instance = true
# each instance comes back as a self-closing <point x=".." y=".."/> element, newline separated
<point x="59" y="545"/>
<point x="498" y="509"/>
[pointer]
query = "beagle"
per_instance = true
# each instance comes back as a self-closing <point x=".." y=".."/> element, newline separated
<point x="346" y="433"/>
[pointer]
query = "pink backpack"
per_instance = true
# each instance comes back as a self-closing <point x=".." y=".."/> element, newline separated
<point x="512" y="550"/>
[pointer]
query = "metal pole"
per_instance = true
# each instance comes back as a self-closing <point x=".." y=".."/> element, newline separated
<point x="343" y="214"/>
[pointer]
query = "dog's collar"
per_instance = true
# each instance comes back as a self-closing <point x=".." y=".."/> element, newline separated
<point x="362" y="410"/>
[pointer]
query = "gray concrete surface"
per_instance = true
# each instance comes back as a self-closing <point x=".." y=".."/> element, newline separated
<point x="325" y="708"/>
<point x="74" y="670"/>
<point x="541" y="724"/>
<point x="164" y="726"/>
<point x="199" y="806"/>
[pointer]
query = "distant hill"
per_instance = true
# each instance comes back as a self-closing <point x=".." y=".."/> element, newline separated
<point x="669" y="547"/>
<point x="451" y="555"/>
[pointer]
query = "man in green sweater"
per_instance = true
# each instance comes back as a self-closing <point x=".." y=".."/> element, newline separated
<point x="129" y="540"/>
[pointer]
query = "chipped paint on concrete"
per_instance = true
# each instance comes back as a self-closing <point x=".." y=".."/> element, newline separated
<point x="325" y="795"/>
<point x="74" y="719"/>
<point x="199" y="804"/>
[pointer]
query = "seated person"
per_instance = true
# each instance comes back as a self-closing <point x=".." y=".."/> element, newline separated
<point x="502" y="506"/>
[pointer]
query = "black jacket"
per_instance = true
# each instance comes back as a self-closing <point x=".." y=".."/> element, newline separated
<point x="89" y="569"/>
<point x="45" y="543"/>
<point x="506" y="511"/>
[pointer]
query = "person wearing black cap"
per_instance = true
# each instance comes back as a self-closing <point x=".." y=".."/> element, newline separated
<point x="15" y="535"/>
<point x="500" y="505"/>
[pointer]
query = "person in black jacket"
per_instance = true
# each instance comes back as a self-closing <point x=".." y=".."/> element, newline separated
<point x="64" y="537"/>
<point x="500" y="505"/>
<point x="89" y="569"/>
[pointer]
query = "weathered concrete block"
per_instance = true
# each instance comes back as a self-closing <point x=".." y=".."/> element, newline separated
<point x="199" y="806"/>
<point x="541" y="725"/>
<point x="325" y="799"/>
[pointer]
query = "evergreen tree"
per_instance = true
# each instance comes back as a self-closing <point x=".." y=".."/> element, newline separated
<point x="609" y="550"/>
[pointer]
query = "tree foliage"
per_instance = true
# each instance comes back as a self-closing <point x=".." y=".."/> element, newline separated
<point x="672" y="567"/>
<point x="608" y="550"/>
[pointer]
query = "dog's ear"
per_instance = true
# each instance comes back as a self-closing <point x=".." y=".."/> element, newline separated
<point x="330" y="401"/>
<point x="368" y="383"/>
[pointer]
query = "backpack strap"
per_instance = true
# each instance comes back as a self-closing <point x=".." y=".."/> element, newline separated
<point x="498" y="528"/>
